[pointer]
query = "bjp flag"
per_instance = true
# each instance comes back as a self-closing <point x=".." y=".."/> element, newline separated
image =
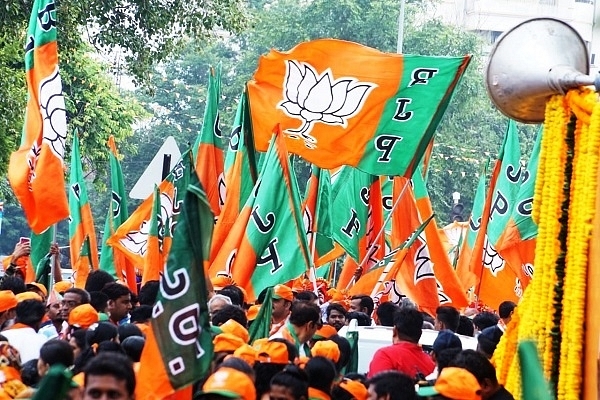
<point x="342" y="103"/>
<point x="36" y="171"/>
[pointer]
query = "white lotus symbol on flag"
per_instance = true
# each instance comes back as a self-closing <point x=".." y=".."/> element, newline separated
<point x="491" y="259"/>
<point x="313" y="97"/>
<point x="54" y="114"/>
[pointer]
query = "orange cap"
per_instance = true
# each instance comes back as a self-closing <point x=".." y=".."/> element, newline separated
<point x="227" y="342"/>
<point x="83" y="316"/>
<point x="220" y="281"/>
<point x="283" y="292"/>
<point x="236" y="329"/>
<point x="271" y="352"/>
<point x="246" y="353"/>
<point x="325" y="332"/>
<point x="38" y="286"/>
<point x="62" y="286"/>
<point x="253" y="312"/>
<point x="28" y="296"/>
<point x="355" y="388"/>
<point x="231" y="383"/>
<point x="8" y="300"/>
<point x="453" y="383"/>
<point x="326" y="348"/>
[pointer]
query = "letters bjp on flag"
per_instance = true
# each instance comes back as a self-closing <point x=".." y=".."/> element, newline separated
<point x="240" y="174"/>
<point x="267" y="244"/>
<point x="178" y="349"/>
<point x="131" y="238"/>
<point x="208" y="148"/>
<point x="112" y="260"/>
<point x="36" y="169"/>
<point x="342" y="103"/>
<point x="516" y="243"/>
<point x="82" y="234"/>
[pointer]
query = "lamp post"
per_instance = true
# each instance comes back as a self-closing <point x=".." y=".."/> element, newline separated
<point x="456" y="213"/>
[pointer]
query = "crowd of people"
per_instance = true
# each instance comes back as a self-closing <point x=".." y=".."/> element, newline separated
<point x="94" y="336"/>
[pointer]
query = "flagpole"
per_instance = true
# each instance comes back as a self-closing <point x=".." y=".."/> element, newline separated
<point x="353" y="280"/>
<point x="313" y="270"/>
<point x="53" y="260"/>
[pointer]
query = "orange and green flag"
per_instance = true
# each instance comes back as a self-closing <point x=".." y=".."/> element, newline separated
<point x="36" y="169"/>
<point x="112" y="260"/>
<point x="240" y="174"/>
<point x="82" y="235"/>
<point x="517" y="242"/>
<point x="267" y="244"/>
<point x="208" y="148"/>
<point x="153" y="260"/>
<point x="179" y="350"/>
<point x="342" y="103"/>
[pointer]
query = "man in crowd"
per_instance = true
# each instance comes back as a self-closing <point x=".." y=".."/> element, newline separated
<point x="119" y="302"/>
<point x="485" y="373"/>
<point x="304" y="321"/>
<point x="391" y="385"/>
<point x="362" y="303"/>
<point x="109" y="375"/>
<point x="336" y="316"/>
<point x="446" y="317"/>
<point x="282" y="303"/>
<point x="23" y="334"/>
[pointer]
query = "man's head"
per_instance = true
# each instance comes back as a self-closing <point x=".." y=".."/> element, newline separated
<point x="506" y="310"/>
<point x="484" y="320"/>
<point x="148" y="293"/>
<point x="446" y="317"/>
<point x="8" y="302"/>
<point x="385" y="313"/>
<point x="53" y="352"/>
<point x="391" y="385"/>
<point x="53" y="310"/>
<point x="336" y="315"/>
<point x="362" y="303"/>
<point x="483" y="370"/>
<point x="119" y="300"/>
<point x="306" y="319"/>
<point x="228" y="312"/>
<point x="97" y="279"/>
<point x="217" y="303"/>
<point x="31" y="313"/>
<point x="282" y="302"/>
<point x="445" y="340"/>
<point x="110" y="375"/>
<point x="407" y="325"/>
<point x="321" y="373"/>
<point x="72" y="298"/>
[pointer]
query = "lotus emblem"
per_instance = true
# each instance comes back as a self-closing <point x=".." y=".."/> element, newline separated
<point x="313" y="97"/>
<point x="491" y="259"/>
<point x="54" y="114"/>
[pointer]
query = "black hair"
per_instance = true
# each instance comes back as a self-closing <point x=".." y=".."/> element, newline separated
<point x="80" y="340"/>
<point x="385" y="313"/>
<point x="128" y="330"/>
<point x="97" y="279"/>
<point x="84" y="296"/>
<point x="99" y="301"/>
<point x="485" y="319"/>
<point x="57" y="351"/>
<point x="339" y="393"/>
<point x="321" y="373"/>
<point x="294" y="379"/>
<point x="234" y="293"/>
<point x="306" y="295"/>
<point x="148" y="293"/>
<point x="465" y="326"/>
<point x="356" y="376"/>
<point x="261" y="296"/>
<point x="228" y="312"/>
<point x="335" y="307"/>
<point x="110" y="347"/>
<point x="30" y="312"/>
<point x="345" y="351"/>
<point x="486" y="345"/>
<point x="393" y="384"/>
<point x="302" y="313"/>
<point x="291" y="349"/>
<point x="133" y="346"/>
<point x="449" y="316"/>
<point x="112" y="364"/>
<point x="445" y="357"/>
<point x="102" y="332"/>
<point x="263" y="373"/>
<point x="29" y="373"/>
<point x="477" y="364"/>
<point x="505" y="308"/>
<point x="365" y="302"/>
<point x="239" y="365"/>
<point x="140" y="314"/>
<point x="361" y="318"/>
<point x="409" y="322"/>
<point x="115" y="290"/>
<point x="13" y="283"/>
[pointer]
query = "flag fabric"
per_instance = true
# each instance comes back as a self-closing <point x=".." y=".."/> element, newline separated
<point x="261" y="326"/>
<point x="112" y="260"/>
<point x="208" y="148"/>
<point x="452" y="236"/>
<point x="342" y="103"/>
<point x="40" y="249"/>
<point x="131" y="238"/>
<point x="316" y="212"/>
<point x="178" y="349"/>
<point x="450" y="290"/>
<point x="267" y="244"/>
<point x="517" y="242"/>
<point x="357" y="220"/>
<point x="36" y="169"/>
<point x="82" y="234"/>
<point x="153" y="260"/>
<point x="240" y="174"/>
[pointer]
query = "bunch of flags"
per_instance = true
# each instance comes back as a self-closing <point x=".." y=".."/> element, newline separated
<point x="368" y="133"/>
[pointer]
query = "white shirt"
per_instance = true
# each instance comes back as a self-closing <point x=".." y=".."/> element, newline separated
<point x="27" y="341"/>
